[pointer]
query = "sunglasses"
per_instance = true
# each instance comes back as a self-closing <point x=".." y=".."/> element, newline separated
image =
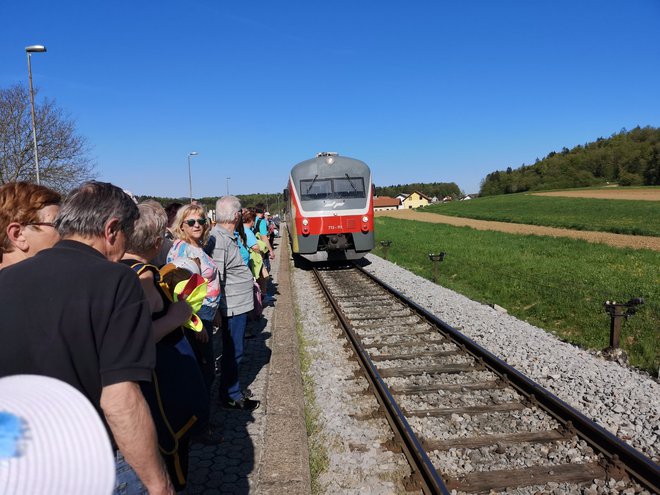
<point x="193" y="221"/>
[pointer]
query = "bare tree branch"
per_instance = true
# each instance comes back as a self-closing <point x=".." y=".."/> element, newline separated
<point x="63" y="154"/>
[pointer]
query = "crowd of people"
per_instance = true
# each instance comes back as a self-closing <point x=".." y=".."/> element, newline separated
<point x="121" y="300"/>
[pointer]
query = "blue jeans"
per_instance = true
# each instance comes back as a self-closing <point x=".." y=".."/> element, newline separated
<point x="127" y="482"/>
<point x="233" y="333"/>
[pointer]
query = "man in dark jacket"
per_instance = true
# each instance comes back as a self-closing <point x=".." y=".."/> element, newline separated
<point x="71" y="313"/>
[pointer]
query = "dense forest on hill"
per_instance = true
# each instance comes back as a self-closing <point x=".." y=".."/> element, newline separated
<point x="628" y="158"/>
<point x="431" y="189"/>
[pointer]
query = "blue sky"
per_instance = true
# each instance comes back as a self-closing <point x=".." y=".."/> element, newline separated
<point x="421" y="91"/>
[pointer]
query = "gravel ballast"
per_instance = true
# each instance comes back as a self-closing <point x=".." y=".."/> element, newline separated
<point x="624" y="401"/>
<point x="352" y="434"/>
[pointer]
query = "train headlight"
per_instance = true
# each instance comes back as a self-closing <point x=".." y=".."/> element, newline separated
<point x="305" y="228"/>
<point x="365" y="223"/>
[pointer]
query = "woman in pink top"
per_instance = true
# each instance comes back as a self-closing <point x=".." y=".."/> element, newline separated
<point x="191" y="231"/>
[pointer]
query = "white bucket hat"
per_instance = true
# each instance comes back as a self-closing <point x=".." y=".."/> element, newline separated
<point x="52" y="440"/>
<point x="187" y="264"/>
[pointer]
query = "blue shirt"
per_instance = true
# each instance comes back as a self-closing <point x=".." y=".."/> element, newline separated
<point x="251" y="241"/>
<point x="263" y="226"/>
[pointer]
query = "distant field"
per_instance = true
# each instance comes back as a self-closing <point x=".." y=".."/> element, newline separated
<point x="555" y="283"/>
<point x="605" y="215"/>
<point x="631" y="193"/>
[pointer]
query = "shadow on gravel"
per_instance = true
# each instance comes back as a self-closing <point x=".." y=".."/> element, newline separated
<point x="306" y="265"/>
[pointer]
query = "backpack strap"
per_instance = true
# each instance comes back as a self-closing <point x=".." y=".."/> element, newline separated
<point x="255" y="229"/>
<point x="140" y="268"/>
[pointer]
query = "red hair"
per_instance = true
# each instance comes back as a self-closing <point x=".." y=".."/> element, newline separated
<point x="21" y="202"/>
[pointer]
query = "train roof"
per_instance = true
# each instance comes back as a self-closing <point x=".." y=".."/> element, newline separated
<point x="330" y="164"/>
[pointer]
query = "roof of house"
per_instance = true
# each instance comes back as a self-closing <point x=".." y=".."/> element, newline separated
<point x="420" y="195"/>
<point x="383" y="201"/>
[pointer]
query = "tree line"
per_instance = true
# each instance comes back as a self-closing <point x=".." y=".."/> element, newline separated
<point x="431" y="189"/>
<point x="628" y="158"/>
<point x="274" y="202"/>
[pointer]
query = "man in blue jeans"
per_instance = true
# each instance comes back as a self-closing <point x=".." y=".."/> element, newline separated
<point x="236" y="302"/>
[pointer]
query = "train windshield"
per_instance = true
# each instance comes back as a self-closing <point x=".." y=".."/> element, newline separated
<point x="341" y="187"/>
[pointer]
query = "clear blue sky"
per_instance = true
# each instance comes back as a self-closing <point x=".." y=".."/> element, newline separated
<point x="422" y="91"/>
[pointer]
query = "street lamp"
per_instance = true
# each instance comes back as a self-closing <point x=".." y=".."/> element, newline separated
<point x="30" y="50"/>
<point x="228" y="185"/>
<point x="192" y="153"/>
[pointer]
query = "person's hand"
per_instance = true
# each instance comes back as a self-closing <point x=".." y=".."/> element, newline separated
<point x="271" y="255"/>
<point x="162" y="488"/>
<point x="202" y="336"/>
<point x="180" y="312"/>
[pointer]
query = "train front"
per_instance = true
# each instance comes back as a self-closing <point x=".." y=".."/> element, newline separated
<point x="331" y="208"/>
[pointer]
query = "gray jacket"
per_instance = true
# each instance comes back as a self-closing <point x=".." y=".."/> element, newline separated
<point x="236" y="281"/>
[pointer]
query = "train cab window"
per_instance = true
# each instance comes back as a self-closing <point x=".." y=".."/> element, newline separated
<point x="349" y="187"/>
<point x="315" y="189"/>
<point x="336" y="188"/>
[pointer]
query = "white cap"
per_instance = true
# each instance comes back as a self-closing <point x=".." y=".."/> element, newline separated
<point x="52" y="440"/>
<point x="130" y="195"/>
<point x="187" y="264"/>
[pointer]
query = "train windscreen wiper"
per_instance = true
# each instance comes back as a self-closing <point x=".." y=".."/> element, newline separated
<point x="310" y="186"/>
<point x="351" y="183"/>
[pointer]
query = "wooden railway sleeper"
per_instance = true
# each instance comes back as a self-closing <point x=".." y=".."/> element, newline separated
<point x="532" y="401"/>
<point x="376" y="413"/>
<point x="615" y="468"/>
<point x="412" y="483"/>
<point x="393" y="445"/>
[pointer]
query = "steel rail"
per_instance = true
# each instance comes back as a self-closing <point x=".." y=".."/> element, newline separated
<point x="431" y="481"/>
<point x="620" y="455"/>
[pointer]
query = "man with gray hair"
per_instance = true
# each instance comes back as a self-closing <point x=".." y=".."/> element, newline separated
<point x="236" y="302"/>
<point x="72" y="314"/>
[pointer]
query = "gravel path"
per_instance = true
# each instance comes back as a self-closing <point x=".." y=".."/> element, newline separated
<point x="622" y="400"/>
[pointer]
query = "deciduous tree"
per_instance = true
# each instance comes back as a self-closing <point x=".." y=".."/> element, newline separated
<point x="63" y="153"/>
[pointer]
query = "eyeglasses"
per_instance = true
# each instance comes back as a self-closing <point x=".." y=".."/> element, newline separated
<point x="41" y="224"/>
<point x="193" y="221"/>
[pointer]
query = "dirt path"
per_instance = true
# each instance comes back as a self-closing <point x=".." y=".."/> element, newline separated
<point x="616" y="240"/>
<point x="633" y="194"/>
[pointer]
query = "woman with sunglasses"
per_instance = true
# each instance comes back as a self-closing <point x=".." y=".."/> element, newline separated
<point x="191" y="231"/>
<point x="27" y="213"/>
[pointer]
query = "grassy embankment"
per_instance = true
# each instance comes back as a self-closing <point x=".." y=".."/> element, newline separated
<point x="606" y="215"/>
<point x="558" y="284"/>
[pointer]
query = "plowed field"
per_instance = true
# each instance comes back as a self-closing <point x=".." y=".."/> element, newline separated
<point x="613" y="193"/>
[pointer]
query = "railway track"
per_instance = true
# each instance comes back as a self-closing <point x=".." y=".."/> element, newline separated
<point x="466" y="421"/>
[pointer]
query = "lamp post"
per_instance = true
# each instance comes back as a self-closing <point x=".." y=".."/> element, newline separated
<point x="30" y="50"/>
<point x="228" y="185"/>
<point x="192" y="153"/>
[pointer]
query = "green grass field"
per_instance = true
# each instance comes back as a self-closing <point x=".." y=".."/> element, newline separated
<point x="606" y="215"/>
<point x="558" y="284"/>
